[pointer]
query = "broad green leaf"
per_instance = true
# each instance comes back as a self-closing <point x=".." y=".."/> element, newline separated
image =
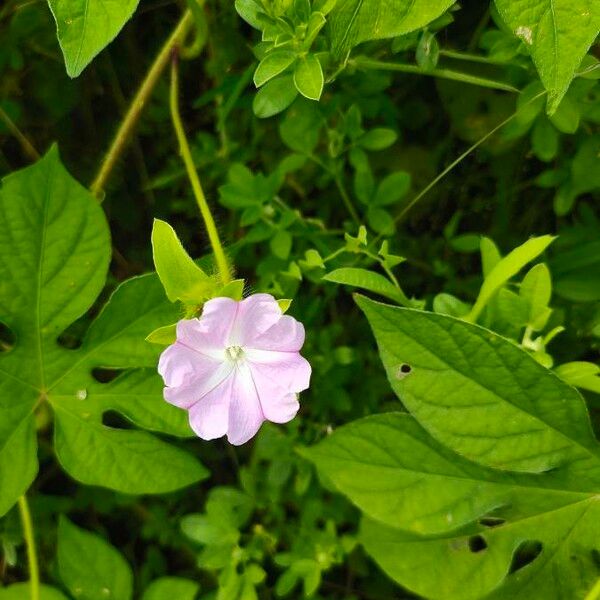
<point x="21" y="591"/>
<point x="54" y="254"/>
<point x="581" y="374"/>
<point x="354" y="21"/>
<point x="273" y="64"/>
<point x="308" y="77"/>
<point x="557" y="33"/>
<point x="85" y="27"/>
<point x="447" y="528"/>
<point x="506" y="268"/>
<point x="368" y="280"/>
<point x="479" y="394"/>
<point x="447" y="304"/>
<point x="90" y="567"/>
<point x="175" y="588"/>
<point x="274" y="97"/>
<point x="181" y="277"/>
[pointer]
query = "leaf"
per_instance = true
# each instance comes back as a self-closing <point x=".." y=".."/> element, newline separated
<point x="444" y="521"/>
<point x="181" y="277"/>
<point x="85" y="27"/>
<point x="273" y="64"/>
<point x="506" y="268"/>
<point x="368" y="280"/>
<point x="89" y="566"/>
<point x="378" y="139"/>
<point x="54" y="253"/>
<point x="479" y="394"/>
<point x="176" y="588"/>
<point x="308" y="77"/>
<point x="274" y="97"/>
<point x="581" y="374"/>
<point x="355" y="21"/>
<point x="557" y="33"/>
<point x="536" y="288"/>
<point x="392" y="188"/>
<point x="20" y="591"/>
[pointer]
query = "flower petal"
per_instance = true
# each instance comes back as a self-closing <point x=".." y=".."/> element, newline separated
<point x="209" y="417"/>
<point x="286" y="371"/>
<point x="245" y="411"/>
<point x="287" y="335"/>
<point x="256" y="314"/>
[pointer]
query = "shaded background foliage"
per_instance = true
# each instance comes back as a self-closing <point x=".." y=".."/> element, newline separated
<point x="264" y="503"/>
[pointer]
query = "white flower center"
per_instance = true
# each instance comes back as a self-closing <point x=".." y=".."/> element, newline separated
<point x="234" y="353"/>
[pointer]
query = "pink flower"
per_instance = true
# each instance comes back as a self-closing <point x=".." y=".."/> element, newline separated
<point x="235" y="367"/>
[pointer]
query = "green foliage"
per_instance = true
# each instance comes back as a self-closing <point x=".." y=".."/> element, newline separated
<point x="85" y="27"/>
<point x="55" y="246"/>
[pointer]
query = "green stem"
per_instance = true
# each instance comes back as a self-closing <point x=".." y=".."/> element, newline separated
<point x="380" y="65"/>
<point x="458" y="160"/>
<point x="26" y="145"/>
<point x="34" y="573"/>
<point x="188" y="161"/>
<point x="138" y="104"/>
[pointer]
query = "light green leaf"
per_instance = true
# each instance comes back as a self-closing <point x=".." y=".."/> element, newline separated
<point x="479" y="394"/>
<point x="490" y="255"/>
<point x="378" y="139"/>
<point x="85" y="27"/>
<point x="444" y="521"/>
<point x="536" y="288"/>
<point x="234" y="290"/>
<point x="90" y="567"/>
<point x="274" y="97"/>
<point x="164" y="336"/>
<point x="21" y="591"/>
<point x="557" y="33"/>
<point x="447" y="304"/>
<point x="368" y="280"/>
<point x="175" y="588"/>
<point x="54" y="254"/>
<point x="506" y="268"/>
<point x="181" y="277"/>
<point x="308" y="77"/>
<point x="392" y="188"/>
<point x="355" y="21"/>
<point x="581" y="374"/>
<point x="273" y="64"/>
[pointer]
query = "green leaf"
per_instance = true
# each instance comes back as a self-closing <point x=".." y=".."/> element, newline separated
<point x="274" y="97"/>
<point x="281" y="244"/>
<point x="544" y="140"/>
<point x="506" y="268"/>
<point x="490" y="255"/>
<point x="89" y="566"/>
<point x="392" y="188"/>
<point x="54" y="254"/>
<point x="163" y="335"/>
<point x="536" y="288"/>
<point x="428" y="51"/>
<point x="301" y="128"/>
<point x="355" y="21"/>
<point x="181" y="277"/>
<point x="581" y="374"/>
<point x="85" y="27"/>
<point x="378" y="139"/>
<point x="444" y="521"/>
<point x="479" y="394"/>
<point x="557" y="33"/>
<point x="273" y="64"/>
<point x="447" y="304"/>
<point x="20" y="591"/>
<point x="308" y="77"/>
<point x="368" y="280"/>
<point x="176" y="588"/>
<point x="381" y="221"/>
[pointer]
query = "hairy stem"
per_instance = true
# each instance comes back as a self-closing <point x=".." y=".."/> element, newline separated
<point x="138" y="104"/>
<point x="34" y="573"/>
<point x="188" y="161"/>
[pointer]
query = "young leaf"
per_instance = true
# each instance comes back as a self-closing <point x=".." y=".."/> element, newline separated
<point x="368" y="280"/>
<point x="509" y="266"/>
<point x="85" y="27"/>
<point x="490" y="255"/>
<point x="308" y="77"/>
<point x="536" y="288"/>
<point x="54" y="254"/>
<point x="181" y="277"/>
<point x="479" y="394"/>
<point x="20" y="591"/>
<point x="89" y="566"/>
<point x="392" y="188"/>
<point x="274" y="97"/>
<point x="557" y="33"/>
<point x="441" y="505"/>
<point x="355" y="21"/>
<point x="272" y="65"/>
<point x="176" y="588"/>
<point x="379" y="138"/>
<point x="581" y="374"/>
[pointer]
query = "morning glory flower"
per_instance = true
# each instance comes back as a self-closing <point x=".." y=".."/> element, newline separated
<point x="236" y="366"/>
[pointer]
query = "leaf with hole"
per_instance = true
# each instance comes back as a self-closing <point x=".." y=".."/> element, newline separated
<point x="434" y="520"/>
<point x="54" y="254"/>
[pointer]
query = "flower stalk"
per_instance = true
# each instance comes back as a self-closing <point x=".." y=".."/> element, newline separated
<point x="28" y="534"/>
